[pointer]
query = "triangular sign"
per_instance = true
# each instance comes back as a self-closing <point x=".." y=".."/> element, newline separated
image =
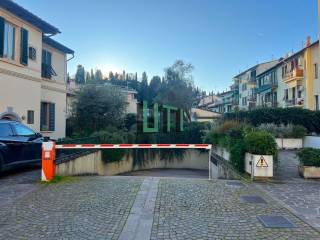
<point x="262" y="162"/>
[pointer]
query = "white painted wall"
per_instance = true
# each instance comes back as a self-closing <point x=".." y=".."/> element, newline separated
<point x="311" y="142"/>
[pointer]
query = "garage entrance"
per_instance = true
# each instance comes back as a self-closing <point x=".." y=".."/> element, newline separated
<point x="93" y="164"/>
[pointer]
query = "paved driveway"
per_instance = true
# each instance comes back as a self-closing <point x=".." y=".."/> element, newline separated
<point x="126" y="207"/>
<point x="17" y="183"/>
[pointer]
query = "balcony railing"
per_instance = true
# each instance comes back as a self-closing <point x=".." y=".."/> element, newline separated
<point x="296" y="73"/>
<point x="295" y="102"/>
<point x="47" y="71"/>
<point x="270" y="104"/>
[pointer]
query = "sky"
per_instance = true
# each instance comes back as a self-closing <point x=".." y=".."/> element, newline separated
<point x="219" y="37"/>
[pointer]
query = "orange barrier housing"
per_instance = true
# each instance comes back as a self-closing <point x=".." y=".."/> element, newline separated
<point x="48" y="158"/>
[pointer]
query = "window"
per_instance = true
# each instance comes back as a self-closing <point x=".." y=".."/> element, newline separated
<point x="286" y="94"/>
<point x="316" y="71"/>
<point x="9" y="41"/>
<point x="47" y="114"/>
<point x="317" y="102"/>
<point x="30" y="117"/>
<point x="23" y="131"/>
<point x="5" y="130"/>
<point x="47" y="71"/>
<point x="32" y="53"/>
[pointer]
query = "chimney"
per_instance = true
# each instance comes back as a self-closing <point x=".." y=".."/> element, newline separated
<point x="308" y="42"/>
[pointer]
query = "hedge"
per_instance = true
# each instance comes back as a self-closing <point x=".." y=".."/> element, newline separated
<point x="309" y="157"/>
<point x="297" y="116"/>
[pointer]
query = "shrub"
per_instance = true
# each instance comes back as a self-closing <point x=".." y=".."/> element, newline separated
<point x="309" y="157"/>
<point x="283" y="131"/>
<point x="296" y="116"/>
<point x="299" y="131"/>
<point x="260" y="142"/>
<point x="114" y="136"/>
<point x="226" y="126"/>
<point x="237" y="153"/>
<point x="270" y="128"/>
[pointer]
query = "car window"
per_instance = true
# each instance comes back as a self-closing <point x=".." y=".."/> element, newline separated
<point x="5" y="130"/>
<point x="23" y="131"/>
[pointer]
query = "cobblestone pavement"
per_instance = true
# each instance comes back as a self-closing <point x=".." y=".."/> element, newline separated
<point x="152" y="208"/>
<point x="299" y="195"/>
<point x="84" y="208"/>
<point x="177" y="173"/>
<point x="17" y="183"/>
<point x="199" y="209"/>
<point x="286" y="165"/>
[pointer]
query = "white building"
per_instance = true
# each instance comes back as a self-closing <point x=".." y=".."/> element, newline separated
<point x="33" y="71"/>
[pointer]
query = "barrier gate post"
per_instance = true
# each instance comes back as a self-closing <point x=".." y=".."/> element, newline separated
<point x="47" y="162"/>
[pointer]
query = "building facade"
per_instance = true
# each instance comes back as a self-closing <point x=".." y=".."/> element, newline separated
<point x="247" y="84"/>
<point x="300" y="75"/>
<point x="225" y="102"/>
<point x="33" y="70"/>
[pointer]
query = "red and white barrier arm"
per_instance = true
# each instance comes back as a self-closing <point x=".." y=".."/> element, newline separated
<point x="129" y="146"/>
<point x="49" y="152"/>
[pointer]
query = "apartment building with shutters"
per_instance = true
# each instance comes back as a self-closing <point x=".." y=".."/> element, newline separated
<point x="300" y="78"/>
<point x="246" y="83"/>
<point x="33" y="71"/>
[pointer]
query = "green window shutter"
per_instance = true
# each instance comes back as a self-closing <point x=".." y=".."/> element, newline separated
<point x="1" y="36"/>
<point x="24" y="47"/>
<point x="52" y="116"/>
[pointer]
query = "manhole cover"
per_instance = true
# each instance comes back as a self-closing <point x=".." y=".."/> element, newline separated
<point x="275" y="221"/>
<point x="235" y="183"/>
<point x="252" y="199"/>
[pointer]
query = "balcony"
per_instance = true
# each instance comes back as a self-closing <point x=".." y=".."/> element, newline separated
<point x="270" y="104"/>
<point x="47" y="71"/>
<point x="296" y="74"/>
<point x="296" y="102"/>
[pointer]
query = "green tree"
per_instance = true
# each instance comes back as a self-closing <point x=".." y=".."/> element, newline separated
<point x="98" y="76"/>
<point x="80" y="75"/>
<point x="111" y="76"/>
<point x="177" y="87"/>
<point x="143" y="89"/>
<point x="88" y="77"/>
<point x="154" y="87"/>
<point x="91" y="75"/>
<point x="97" y="107"/>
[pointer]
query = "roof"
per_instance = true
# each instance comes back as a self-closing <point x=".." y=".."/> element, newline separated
<point x="29" y="17"/>
<point x="251" y="68"/>
<point x="225" y="93"/>
<point x="202" y="113"/>
<point x="57" y="45"/>
<point x="288" y="58"/>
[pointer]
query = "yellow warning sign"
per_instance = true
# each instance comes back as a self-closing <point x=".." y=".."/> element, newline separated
<point x="262" y="162"/>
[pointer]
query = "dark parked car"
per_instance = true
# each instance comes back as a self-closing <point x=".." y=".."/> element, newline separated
<point x="19" y="145"/>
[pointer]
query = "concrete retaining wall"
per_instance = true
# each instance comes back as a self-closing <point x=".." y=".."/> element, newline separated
<point x="220" y="166"/>
<point x="289" y="143"/>
<point x="93" y="164"/>
<point x="87" y="164"/>
<point x="311" y="142"/>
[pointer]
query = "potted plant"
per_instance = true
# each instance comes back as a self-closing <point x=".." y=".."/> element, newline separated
<point x="309" y="163"/>
<point x="261" y="147"/>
